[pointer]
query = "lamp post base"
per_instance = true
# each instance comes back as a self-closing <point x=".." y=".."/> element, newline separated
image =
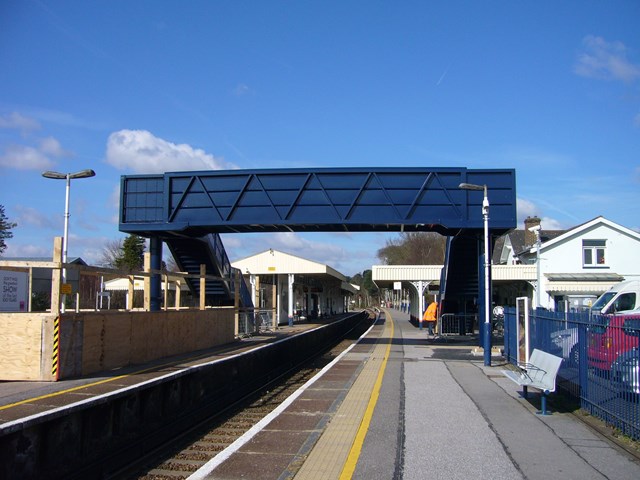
<point x="486" y="343"/>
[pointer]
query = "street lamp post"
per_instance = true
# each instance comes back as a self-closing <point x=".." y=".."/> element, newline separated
<point x="536" y="229"/>
<point x="486" y="334"/>
<point x="65" y="239"/>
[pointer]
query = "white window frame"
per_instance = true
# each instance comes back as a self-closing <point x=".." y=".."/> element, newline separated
<point x="598" y="250"/>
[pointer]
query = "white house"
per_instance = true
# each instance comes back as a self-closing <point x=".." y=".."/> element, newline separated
<point x="576" y="265"/>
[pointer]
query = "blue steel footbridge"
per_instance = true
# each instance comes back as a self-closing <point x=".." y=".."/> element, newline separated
<point x="188" y="211"/>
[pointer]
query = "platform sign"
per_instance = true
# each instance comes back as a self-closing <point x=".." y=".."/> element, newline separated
<point x="14" y="292"/>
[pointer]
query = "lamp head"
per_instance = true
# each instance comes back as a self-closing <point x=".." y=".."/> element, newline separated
<point x="471" y="186"/>
<point x="56" y="175"/>
<point x="83" y="174"/>
<point x="63" y="176"/>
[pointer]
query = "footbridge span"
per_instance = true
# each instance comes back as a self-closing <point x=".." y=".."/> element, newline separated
<point x="188" y="211"/>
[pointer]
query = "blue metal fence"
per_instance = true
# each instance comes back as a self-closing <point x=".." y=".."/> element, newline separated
<point x="601" y="360"/>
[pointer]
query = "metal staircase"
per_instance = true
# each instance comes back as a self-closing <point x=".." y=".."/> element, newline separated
<point x="459" y="282"/>
<point x="191" y="252"/>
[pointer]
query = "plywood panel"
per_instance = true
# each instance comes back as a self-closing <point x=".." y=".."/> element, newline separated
<point x="92" y="343"/>
<point x="71" y="341"/>
<point x="145" y="338"/>
<point x="117" y="341"/>
<point x="20" y="355"/>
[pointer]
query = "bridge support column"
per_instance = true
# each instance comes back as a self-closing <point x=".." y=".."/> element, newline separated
<point x="155" y="249"/>
<point x="253" y="280"/>
<point x="290" y="300"/>
<point x="421" y="286"/>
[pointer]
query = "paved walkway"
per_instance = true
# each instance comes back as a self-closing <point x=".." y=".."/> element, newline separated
<point x="406" y="407"/>
<point x="463" y="420"/>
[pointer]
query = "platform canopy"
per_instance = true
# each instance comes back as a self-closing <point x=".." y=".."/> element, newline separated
<point x="315" y="200"/>
<point x="273" y="261"/>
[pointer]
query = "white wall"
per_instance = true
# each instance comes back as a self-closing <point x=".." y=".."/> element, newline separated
<point x="622" y="255"/>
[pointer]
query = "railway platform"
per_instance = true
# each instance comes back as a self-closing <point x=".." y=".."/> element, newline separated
<point x="400" y="405"/>
<point x="397" y="405"/>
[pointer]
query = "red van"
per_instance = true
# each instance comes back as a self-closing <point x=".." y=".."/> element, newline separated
<point x="608" y="339"/>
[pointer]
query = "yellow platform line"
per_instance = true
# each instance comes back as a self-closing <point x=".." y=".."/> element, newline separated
<point x="336" y="453"/>
<point x="99" y="382"/>
<point x="68" y="390"/>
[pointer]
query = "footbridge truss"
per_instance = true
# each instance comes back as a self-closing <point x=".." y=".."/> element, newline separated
<point x="187" y="210"/>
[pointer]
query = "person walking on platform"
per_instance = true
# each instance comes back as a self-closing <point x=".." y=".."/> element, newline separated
<point x="430" y="316"/>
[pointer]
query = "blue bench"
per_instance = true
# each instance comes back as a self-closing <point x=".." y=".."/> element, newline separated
<point x="540" y="372"/>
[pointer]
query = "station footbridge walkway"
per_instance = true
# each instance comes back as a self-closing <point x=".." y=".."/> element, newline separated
<point x="401" y="405"/>
<point x="187" y="212"/>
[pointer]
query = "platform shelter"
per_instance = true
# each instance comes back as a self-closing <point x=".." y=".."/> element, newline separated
<point x="294" y="287"/>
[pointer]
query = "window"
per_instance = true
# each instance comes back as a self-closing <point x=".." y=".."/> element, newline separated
<point x="626" y="301"/>
<point x="593" y="253"/>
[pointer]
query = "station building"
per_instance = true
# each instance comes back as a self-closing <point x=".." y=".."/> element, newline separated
<point x="293" y="287"/>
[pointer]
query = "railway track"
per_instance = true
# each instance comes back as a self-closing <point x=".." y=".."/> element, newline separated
<point x="192" y="449"/>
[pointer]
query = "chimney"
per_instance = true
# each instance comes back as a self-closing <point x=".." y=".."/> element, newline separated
<point x="530" y="237"/>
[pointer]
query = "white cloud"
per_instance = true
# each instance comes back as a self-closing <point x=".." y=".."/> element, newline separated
<point x="142" y="152"/>
<point x="51" y="146"/>
<point x="526" y="208"/>
<point x="605" y="60"/>
<point x="19" y="122"/>
<point x="29" y="157"/>
<point x="549" y="223"/>
<point x="31" y="216"/>
<point x="113" y="202"/>
<point x="31" y="251"/>
<point x="24" y="157"/>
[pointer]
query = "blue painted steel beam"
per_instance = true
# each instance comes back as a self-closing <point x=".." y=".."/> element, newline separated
<point x="314" y="200"/>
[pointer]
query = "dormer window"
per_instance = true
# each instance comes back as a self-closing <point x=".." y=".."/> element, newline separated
<point x="593" y="253"/>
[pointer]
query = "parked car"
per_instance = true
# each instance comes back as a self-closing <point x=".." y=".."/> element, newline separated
<point x="625" y="370"/>
<point x="609" y="337"/>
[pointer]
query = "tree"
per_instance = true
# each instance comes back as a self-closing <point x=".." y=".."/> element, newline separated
<point x="369" y="291"/>
<point x="5" y="229"/>
<point x="111" y="252"/>
<point x="414" y="248"/>
<point x="113" y="255"/>
<point x="132" y="253"/>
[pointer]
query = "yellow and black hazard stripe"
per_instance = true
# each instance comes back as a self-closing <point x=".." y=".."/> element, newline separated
<point x="55" y="359"/>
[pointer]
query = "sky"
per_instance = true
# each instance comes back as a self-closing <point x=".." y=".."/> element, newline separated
<point x="551" y="89"/>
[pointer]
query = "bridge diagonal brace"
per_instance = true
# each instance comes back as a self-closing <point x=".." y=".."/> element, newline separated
<point x="326" y="195"/>
<point x="213" y="204"/>
<point x="416" y="199"/>
<point x="176" y="209"/>
<point x="451" y="202"/>
<point x="387" y="196"/>
<point x="431" y="177"/>
<point x="241" y="193"/>
<point x="357" y="197"/>
<point x="264" y="190"/>
<point x="298" y="195"/>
